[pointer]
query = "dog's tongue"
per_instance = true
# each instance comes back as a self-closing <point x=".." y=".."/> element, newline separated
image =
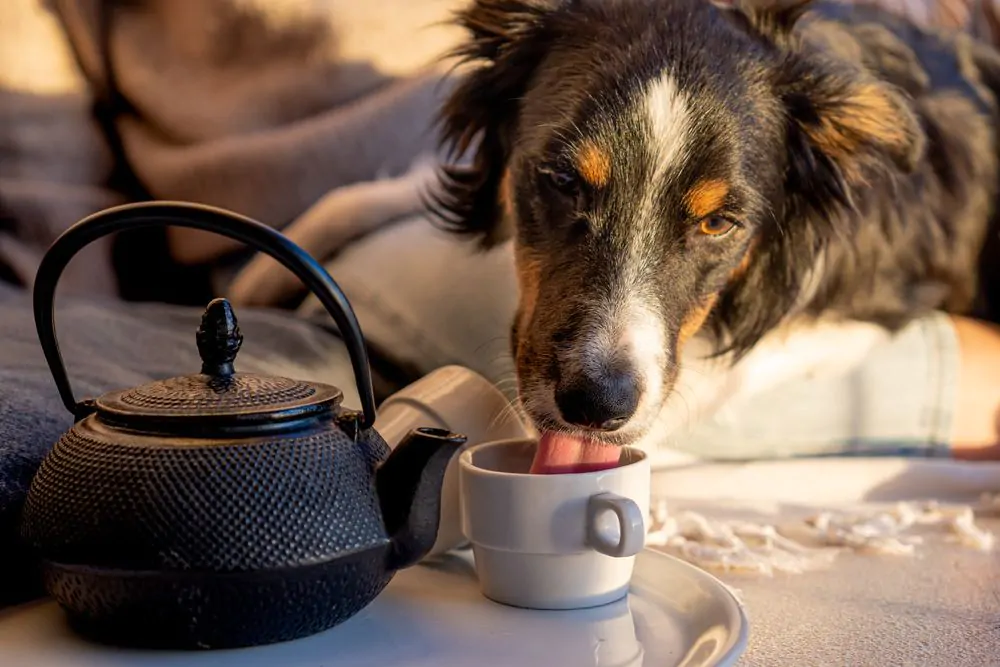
<point x="559" y="453"/>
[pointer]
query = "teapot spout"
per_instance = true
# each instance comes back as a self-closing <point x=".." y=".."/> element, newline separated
<point x="409" y="492"/>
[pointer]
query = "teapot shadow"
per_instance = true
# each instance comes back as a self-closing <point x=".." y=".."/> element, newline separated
<point x="455" y="563"/>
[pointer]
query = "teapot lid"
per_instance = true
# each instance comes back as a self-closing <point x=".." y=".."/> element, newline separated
<point x="218" y="397"/>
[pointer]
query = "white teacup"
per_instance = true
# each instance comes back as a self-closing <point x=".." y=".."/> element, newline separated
<point x="459" y="400"/>
<point x="552" y="541"/>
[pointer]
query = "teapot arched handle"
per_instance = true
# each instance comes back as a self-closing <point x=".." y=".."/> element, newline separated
<point x="207" y="218"/>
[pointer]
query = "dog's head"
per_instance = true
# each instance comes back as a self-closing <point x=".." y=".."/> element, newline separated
<point x="649" y="158"/>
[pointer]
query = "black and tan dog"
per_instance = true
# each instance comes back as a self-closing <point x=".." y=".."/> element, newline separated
<point x="668" y="167"/>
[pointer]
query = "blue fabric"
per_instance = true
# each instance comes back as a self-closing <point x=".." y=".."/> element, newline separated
<point x="900" y="401"/>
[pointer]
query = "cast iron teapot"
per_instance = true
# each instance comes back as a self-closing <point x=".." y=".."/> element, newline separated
<point x="224" y="509"/>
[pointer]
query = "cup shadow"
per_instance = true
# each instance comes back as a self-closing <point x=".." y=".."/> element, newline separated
<point x="455" y="562"/>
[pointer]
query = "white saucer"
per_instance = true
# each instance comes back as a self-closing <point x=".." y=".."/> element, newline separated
<point x="434" y="616"/>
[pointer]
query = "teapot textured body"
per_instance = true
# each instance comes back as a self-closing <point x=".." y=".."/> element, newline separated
<point x="224" y="509"/>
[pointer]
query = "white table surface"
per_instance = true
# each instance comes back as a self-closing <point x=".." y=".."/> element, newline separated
<point x="941" y="607"/>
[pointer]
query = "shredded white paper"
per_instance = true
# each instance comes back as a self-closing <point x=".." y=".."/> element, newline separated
<point x="731" y="545"/>
<point x="989" y="503"/>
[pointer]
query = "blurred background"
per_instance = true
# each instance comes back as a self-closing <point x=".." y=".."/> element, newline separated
<point x="260" y="106"/>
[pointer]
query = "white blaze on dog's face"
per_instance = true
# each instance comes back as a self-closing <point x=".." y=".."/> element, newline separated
<point x="644" y="342"/>
<point x="639" y="165"/>
<point x="669" y="122"/>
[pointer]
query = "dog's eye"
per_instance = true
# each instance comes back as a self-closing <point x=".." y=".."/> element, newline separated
<point x="562" y="180"/>
<point x="716" y="226"/>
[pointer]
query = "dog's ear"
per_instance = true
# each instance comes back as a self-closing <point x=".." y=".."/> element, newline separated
<point x="849" y="116"/>
<point x="771" y="19"/>
<point x="507" y="39"/>
<point x="843" y="120"/>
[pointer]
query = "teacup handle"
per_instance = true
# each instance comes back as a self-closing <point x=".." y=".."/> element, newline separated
<point x="207" y="218"/>
<point x="633" y="529"/>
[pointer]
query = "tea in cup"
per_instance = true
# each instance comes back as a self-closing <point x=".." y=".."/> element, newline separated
<point x="564" y="541"/>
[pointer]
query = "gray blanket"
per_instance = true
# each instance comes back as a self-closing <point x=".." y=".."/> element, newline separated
<point x="109" y="345"/>
<point x="260" y="107"/>
<point x="251" y="105"/>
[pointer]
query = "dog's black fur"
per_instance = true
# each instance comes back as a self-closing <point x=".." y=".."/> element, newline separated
<point x="847" y="159"/>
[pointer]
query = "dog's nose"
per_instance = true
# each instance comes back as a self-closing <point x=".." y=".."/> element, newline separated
<point x="599" y="402"/>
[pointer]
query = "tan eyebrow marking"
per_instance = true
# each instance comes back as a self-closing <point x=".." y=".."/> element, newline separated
<point x="706" y="196"/>
<point x="594" y="165"/>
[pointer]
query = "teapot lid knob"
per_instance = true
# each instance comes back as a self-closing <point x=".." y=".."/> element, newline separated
<point x="219" y="339"/>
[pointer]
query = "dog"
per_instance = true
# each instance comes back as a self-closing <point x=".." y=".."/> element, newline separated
<point x="678" y="170"/>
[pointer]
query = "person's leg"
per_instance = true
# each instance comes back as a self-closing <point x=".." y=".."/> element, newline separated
<point x="428" y="299"/>
<point x="976" y="429"/>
